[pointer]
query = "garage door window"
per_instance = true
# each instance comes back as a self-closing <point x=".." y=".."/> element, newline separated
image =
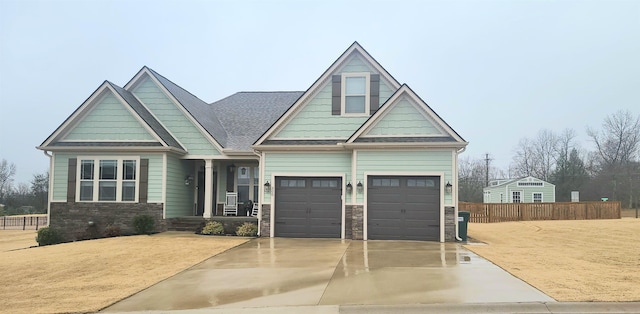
<point x="385" y="182"/>
<point x="292" y="183"/>
<point x="421" y="183"/>
<point x="328" y="183"/>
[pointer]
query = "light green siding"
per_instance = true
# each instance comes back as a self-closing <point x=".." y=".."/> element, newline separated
<point x="180" y="197"/>
<point x="404" y="119"/>
<point x="399" y="161"/>
<point x="315" y="120"/>
<point x="503" y="193"/>
<point x="173" y="119"/>
<point x="306" y="164"/>
<point x="61" y="168"/>
<point x="109" y="120"/>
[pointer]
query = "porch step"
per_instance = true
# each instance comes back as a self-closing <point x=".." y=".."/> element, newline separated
<point x="185" y="224"/>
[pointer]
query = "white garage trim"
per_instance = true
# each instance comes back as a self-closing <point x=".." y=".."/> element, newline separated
<point x="365" y="217"/>
<point x="272" y="220"/>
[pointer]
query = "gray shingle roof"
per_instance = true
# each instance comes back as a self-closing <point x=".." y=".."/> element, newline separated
<point x="199" y="109"/>
<point x="146" y="116"/>
<point x="247" y="115"/>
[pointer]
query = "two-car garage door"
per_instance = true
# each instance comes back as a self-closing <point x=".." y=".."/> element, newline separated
<point x="398" y="207"/>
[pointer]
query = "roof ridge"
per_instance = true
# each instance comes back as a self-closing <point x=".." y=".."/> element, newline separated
<point x="172" y="82"/>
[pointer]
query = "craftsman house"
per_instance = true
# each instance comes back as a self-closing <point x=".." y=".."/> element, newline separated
<point x="356" y="156"/>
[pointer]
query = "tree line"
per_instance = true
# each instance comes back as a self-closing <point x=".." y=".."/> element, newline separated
<point x="610" y="170"/>
<point x="22" y="198"/>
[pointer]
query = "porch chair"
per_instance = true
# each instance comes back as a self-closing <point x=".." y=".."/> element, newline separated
<point x="231" y="204"/>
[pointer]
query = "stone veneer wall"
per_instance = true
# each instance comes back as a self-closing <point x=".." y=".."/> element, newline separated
<point x="355" y="231"/>
<point x="72" y="219"/>
<point x="450" y="224"/>
<point x="265" y="224"/>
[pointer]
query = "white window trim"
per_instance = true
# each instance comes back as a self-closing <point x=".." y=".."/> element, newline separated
<point x="533" y="199"/>
<point x="96" y="177"/>
<point x="521" y="195"/>
<point x="367" y="93"/>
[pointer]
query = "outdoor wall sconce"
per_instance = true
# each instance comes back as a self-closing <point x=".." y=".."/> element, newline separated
<point x="232" y="167"/>
<point x="349" y="187"/>
<point x="360" y="186"/>
<point x="188" y="179"/>
<point x="448" y="187"/>
<point x="267" y="187"/>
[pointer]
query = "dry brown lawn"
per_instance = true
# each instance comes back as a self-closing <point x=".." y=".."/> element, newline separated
<point x="87" y="276"/>
<point x="570" y="260"/>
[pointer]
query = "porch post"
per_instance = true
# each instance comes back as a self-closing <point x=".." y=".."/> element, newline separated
<point x="208" y="192"/>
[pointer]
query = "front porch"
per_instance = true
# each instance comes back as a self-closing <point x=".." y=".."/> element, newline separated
<point x="195" y="224"/>
<point x="210" y="181"/>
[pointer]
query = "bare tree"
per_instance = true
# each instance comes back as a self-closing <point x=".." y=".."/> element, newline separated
<point x="536" y="157"/>
<point x="7" y="171"/>
<point x="614" y="162"/>
<point x="619" y="140"/>
<point x="471" y="178"/>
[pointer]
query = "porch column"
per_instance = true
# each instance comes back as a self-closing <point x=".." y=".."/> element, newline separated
<point x="208" y="192"/>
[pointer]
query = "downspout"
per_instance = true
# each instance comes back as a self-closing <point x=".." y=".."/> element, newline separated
<point x="50" y="189"/>
<point x="456" y="203"/>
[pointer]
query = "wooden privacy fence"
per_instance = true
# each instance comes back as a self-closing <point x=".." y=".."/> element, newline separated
<point x="23" y="222"/>
<point x="490" y="212"/>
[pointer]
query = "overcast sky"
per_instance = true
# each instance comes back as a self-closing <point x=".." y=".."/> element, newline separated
<point x="496" y="71"/>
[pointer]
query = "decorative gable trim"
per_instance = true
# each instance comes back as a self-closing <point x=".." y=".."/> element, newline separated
<point x="147" y="72"/>
<point x="406" y="91"/>
<point x="323" y="79"/>
<point x="83" y="110"/>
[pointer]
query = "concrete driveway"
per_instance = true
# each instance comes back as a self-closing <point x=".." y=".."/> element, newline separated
<point x="279" y="272"/>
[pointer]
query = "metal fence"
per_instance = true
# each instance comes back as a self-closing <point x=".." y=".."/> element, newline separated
<point x="501" y="212"/>
<point x="26" y="222"/>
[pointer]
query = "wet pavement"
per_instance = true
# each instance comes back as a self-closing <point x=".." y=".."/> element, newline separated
<point x="278" y="272"/>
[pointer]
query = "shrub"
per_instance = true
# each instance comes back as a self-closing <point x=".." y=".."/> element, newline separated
<point x="48" y="236"/>
<point x="111" y="231"/>
<point x="143" y="224"/>
<point x="247" y="230"/>
<point x="213" y="227"/>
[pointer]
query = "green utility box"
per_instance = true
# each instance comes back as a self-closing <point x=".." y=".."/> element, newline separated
<point x="463" y="222"/>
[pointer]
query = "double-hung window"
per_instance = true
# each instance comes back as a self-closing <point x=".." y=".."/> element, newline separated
<point x="537" y="197"/>
<point x="108" y="179"/>
<point x="516" y="196"/>
<point x="355" y="93"/>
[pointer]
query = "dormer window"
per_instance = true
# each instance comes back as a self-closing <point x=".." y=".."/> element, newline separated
<point x="355" y="94"/>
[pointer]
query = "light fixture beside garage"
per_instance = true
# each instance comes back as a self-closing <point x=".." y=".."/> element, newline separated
<point x="448" y="187"/>
<point x="349" y="187"/>
<point x="360" y="186"/>
<point x="267" y="187"/>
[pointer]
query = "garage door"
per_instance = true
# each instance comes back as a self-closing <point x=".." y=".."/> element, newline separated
<point x="403" y="208"/>
<point x="308" y="207"/>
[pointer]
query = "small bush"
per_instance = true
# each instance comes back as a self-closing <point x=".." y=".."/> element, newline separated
<point x="143" y="224"/>
<point x="111" y="231"/>
<point x="247" y="230"/>
<point x="213" y="227"/>
<point x="48" y="236"/>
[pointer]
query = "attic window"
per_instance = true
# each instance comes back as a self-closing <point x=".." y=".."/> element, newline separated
<point x="530" y="184"/>
<point x="355" y="94"/>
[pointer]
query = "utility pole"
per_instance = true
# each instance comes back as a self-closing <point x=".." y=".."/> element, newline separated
<point x="486" y="177"/>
